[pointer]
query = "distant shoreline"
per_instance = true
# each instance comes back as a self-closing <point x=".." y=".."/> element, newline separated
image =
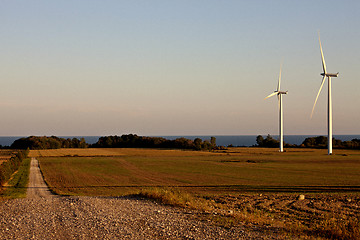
<point x="222" y="140"/>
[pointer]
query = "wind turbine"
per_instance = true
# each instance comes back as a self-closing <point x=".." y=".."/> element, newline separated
<point x="329" y="115"/>
<point x="279" y="95"/>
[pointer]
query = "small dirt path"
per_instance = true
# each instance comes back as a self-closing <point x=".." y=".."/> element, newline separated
<point x="42" y="215"/>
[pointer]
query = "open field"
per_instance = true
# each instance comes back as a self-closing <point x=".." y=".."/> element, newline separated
<point x="259" y="187"/>
<point x="111" y="171"/>
<point x="110" y="152"/>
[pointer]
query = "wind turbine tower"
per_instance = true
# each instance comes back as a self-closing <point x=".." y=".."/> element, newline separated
<point x="325" y="75"/>
<point x="279" y="94"/>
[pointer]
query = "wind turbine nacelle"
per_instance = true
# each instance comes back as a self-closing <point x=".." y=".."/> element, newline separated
<point x="330" y="74"/>
<point x="283" y="92"/>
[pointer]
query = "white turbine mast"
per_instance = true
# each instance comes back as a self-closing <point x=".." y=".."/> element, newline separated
<point x="279" y="94"/>
<point x="329" y="113"/>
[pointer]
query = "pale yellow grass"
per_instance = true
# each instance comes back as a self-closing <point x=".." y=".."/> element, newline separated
<point x="67" y="152"/>
<point x="240" y="151"/>
<point x="82" y="152"/>
<point x="248" y="151"/>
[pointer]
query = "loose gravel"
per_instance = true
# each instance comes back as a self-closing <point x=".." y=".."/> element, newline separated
<point x="45" y="216"/>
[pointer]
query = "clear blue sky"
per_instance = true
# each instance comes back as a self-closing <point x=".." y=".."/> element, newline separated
<point x="175" y="67"/>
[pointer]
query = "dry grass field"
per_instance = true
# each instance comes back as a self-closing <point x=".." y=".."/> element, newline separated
<point x="259" y="187"/>
<point x="110" y="152"/>
<point x="85" y="171"/>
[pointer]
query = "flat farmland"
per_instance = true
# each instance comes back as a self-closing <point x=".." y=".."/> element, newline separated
<point x="109" y="152"/>
<point x="120" y="171"/>
<point x="72" y="152"/>
<point x="252" y="187"/>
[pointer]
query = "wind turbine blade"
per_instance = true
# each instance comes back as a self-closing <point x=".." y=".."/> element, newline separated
<point x="278" y="97"/>
<point x="322" y="83"/>
<point x="279" y="82"/>
<point x="274" y="93"/>
<point x="322" y="55"/>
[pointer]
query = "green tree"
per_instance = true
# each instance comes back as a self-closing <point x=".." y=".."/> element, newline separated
<point x="213" y="141"/>
<point x="197" y="143"/>
<point x="260" y="140"/>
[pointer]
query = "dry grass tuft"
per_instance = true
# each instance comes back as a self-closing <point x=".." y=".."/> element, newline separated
<point x="335" y="228"/>
<point x="175" y="197"/>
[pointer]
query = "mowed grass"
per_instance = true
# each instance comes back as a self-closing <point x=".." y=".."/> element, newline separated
<point x="112" y="172"/>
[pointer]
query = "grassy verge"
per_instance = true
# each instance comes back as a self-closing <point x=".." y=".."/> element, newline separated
<point x="17" y="186"/>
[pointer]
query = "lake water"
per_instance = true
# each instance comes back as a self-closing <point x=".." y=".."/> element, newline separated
<point x="236" y="140"/>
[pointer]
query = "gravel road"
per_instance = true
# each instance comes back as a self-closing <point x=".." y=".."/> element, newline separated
<point x="45" y="216"/>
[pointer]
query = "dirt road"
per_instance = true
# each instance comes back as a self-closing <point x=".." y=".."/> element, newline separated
<point x="45" y="216"/>
<point x="37" y="187"/>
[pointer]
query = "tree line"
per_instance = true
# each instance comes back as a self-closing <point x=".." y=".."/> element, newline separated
<point x="134" y="141"/>
<point x="124" y="141"/>
<point x="322" y="142"/>
<point x="310" y="142"/>
<point x="37" y="143"/>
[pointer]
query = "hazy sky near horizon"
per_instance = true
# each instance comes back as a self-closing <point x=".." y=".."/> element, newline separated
<point x="180" y="67"/>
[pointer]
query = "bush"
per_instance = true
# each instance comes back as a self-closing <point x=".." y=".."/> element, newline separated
<point x="267" y="142"/>
<point x="9" y="167"/>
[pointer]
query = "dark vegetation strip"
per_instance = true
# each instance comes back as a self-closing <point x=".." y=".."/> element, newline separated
<point x="311" y="142"/>
<point x="8" y="167"/>
<point x="124" y="141"/>
<point x="135" y="141"/>
<point x="53" y="142"/>
<point x="17" y="186"/>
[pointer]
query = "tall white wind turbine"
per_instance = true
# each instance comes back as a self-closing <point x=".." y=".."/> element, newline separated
<point x="279" y="94"/>
<point x="329" y="115"/>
